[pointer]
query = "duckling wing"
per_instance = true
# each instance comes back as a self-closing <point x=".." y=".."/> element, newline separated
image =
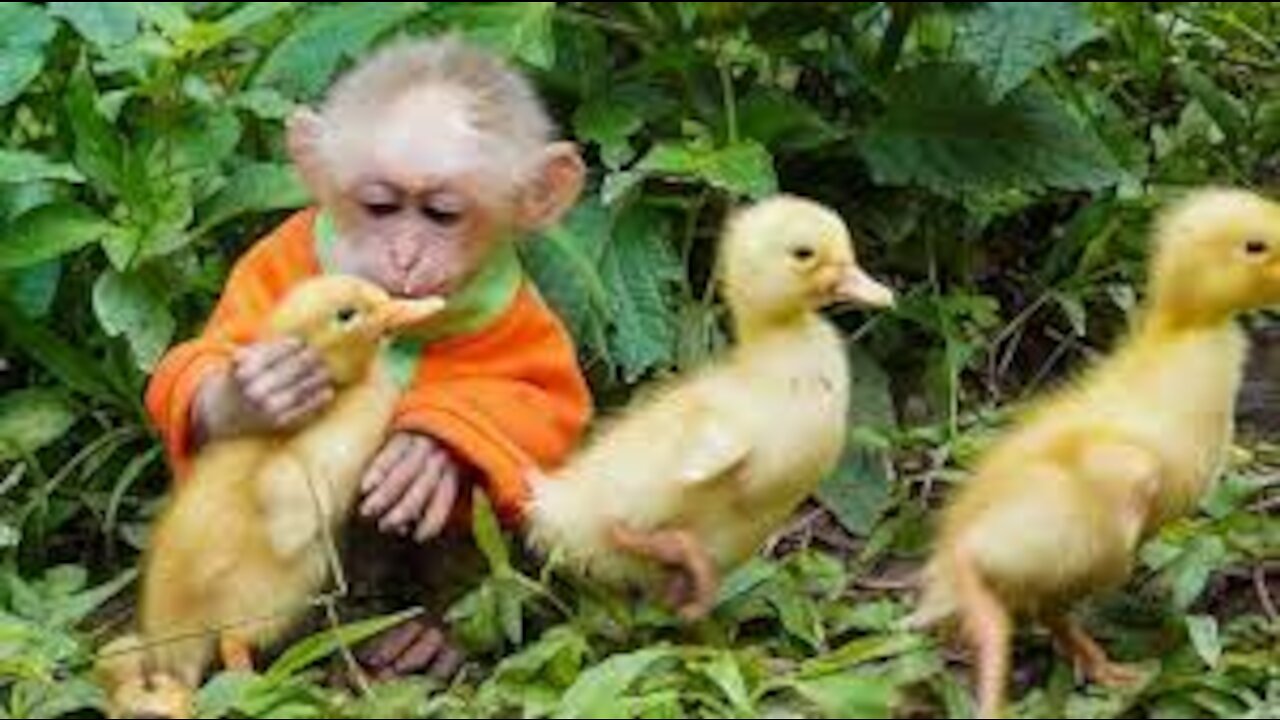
<point x="292" y="505"/>
<point x="713" y="447"/>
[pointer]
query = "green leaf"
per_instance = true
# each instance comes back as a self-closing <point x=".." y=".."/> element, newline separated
<point x="1203" y="630"/>
<point x="776" y="120"/>
<point x="24" y="166"/>
<point x="859" y="490"/>
<point x="488" y="532"/>
<point x="265" y="103"/>
<point x="640" y="269"/>
<point x="303" y="64"/>
<point x="744" y="169"/>
<point x="602" y="691"/>
<point x="50" y="232"/>
<point x="248" y="15"/>
<point x="611" y="125"/>
<point x="71" y="365"/>
<point x="519" y="30"/>
<point x="129" y="306"/>
<point x="725" y="673"/>
<point x="98" y="151"/>
<point x="27" y="30"/>
<point x="475" y="619"/>
<point x="1008" y="41"/>
<point x="850" y="696"/>
<point x="105" y="24"/>
<point x="313" y="649"/>
<point x="170" y="17"/>
<point x="1191" y="573"/>
<point x="1228" y="113"/>
<point x="941" y="133"/>
<point x="798" y="614"/>
<point x="32" y="289"/>
<point x="565" y="264"/>
<point x="255" y="188"/>
<point x="32" y="419"/>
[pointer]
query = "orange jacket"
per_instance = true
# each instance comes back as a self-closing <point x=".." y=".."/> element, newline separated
<point x="505" y="395"/>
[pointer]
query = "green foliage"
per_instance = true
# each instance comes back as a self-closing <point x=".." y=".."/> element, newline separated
<point x="998" y="162"/>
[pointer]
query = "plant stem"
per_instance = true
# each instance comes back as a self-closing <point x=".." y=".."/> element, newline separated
<point x="902" y="15"/>
<point x="730" y="100"/>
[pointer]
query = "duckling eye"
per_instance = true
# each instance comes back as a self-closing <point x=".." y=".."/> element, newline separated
<point x="804" y="253"/>
<point x="346" y="315"/>
<point x="1255" y="247"/>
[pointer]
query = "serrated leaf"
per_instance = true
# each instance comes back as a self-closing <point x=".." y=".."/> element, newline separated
<point x="105" y="24"/>
<point x="1203" y="630"/>
<point x="302" y="65"/>
<point x="610" y="125"/>
<point x="941" y="133"/>
<point x="1008" y="41"/>
<point x="744" y="169"/>
<point x="565" y="265"/>
<point x="260" y="187"/>
<point x="640" y="270"/>
<point x="24" y="166"/>
<point x="27" y="30"/>
<point x="776" y="119"/>
<point x="50" y="232"/>
<point x="518" y="30"/>
<point x="859" y="490"/>
<point x="32" y="419"/>
<point x="129" y="306"/>
<point x="488" y="532"/>
<point x="602" y="691"/>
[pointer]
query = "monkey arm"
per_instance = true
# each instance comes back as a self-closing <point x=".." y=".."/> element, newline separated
<point x="257" y="281"/>
<point x="504" y="399"/>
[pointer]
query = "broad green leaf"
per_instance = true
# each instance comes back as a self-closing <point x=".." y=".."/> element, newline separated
<point x="640" y="270"/>
<point x="75" y="368"/>
<point x="776" y="119"/>
<point x="129" y="306"/>
<point x="32" y="289"/>
<point x="303" y="64"/>
<point x="725" y="673"/>
<point x="558" y="656"/>
<point x="859" y="490"/>
<point x="1203" y="630"/>
<point x="170" y="18"/>
<point x="1008" y="41"/>
<point x="306" y="653"/>
<point x="746" y="579"/>
<point x="798" y="614"/>
<point x="850" y="696"/>
<point x="488" y="532"/>
<point x="610" y="125"/>
<point x="521" y="30"/>
<point x="32" y="419"/>
<point x="1230" y="115"/>
<point x="603" y="690"/>
<point x="24" y="166"/>
<point x="565" y="264"/>
<point x="50" y="232"/>
<point x="105" y="24"/>
<point x="255" y="188"/>
<point x="27" y="29"/>
<point x="1191" y="573"/>
<point x="99" y="152"/>
<point x="475" y="619"/>
<point x="68" y="610"/>
<point x="745" y="169"/>
<point x="248" y="15"/>
<point x="265" y="103"/>
<point x="941" y="133"/>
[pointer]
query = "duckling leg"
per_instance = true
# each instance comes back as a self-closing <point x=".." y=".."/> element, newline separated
<point x="1088" y="657"/>
<point x="989" y="628"/>
<point x="679" y="549"/>
<point x="236" y="652"/>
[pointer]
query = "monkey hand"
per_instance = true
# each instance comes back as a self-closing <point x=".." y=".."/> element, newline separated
<point x="270" y="386"/>
<point x="411" y="486"/>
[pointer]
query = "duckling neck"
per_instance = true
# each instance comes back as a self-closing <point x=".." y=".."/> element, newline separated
<point x="749" y="327"/>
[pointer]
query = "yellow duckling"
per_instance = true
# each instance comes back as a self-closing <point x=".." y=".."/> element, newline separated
<point x="243" y="545"/>
<point x="697" y="476"/>
<point x="1058" y="507"/>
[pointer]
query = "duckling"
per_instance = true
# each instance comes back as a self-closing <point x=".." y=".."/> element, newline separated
<point x="244" y="542"/>
<point x="697" y="473"/>
<point x="1056" y="509"/>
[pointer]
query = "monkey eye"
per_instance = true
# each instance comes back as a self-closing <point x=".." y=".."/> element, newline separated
<point x="1255" y="247"/>
<point x="346" y="314"/>
<point x="381" y="209"/>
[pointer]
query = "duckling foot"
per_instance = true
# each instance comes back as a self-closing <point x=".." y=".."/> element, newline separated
<point x="1090" y="660"/>
<point x="693" y="590"/>
<point x="159" y="696"/>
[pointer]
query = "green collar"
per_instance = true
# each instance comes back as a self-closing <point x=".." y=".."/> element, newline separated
<point x="479" y="303"/>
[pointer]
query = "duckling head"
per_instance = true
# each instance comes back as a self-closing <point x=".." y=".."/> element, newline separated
<point x="787" y="256"/>
<point x="346" y="319"/>
<point x="1217" y="255"/>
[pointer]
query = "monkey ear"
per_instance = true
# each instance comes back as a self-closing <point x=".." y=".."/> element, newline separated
<point x="554" y="188"/>
<point x="305" y="138"/>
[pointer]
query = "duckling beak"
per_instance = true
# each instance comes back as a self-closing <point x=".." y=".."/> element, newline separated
<point x="401" y="314"/>
<point x="857" y="288"/>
